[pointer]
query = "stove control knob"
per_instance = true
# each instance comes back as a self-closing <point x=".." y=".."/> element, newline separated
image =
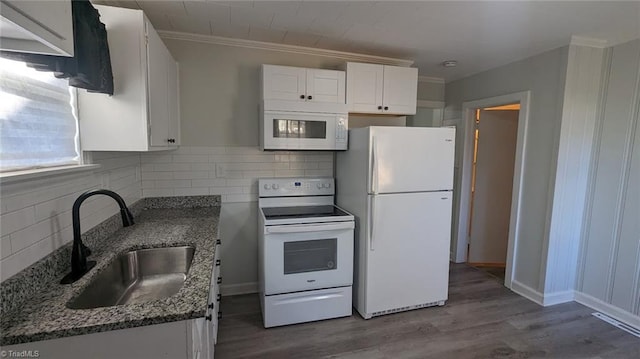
<point x="275" y="186"/>
<point x="328" y="185"/>
<point x="267" y="186"/>
<point x="319" y="185"/>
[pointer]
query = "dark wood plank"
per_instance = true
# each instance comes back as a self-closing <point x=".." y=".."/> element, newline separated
<point x="482" y="319"/>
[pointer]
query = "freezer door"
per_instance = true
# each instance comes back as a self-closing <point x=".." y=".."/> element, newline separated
<point x="404" y="159"/>
<point x="407" y="250"/>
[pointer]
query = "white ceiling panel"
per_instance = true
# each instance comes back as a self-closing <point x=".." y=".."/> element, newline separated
<point x="266" y="35"/>
<point x="479" y="34"/>
<point x="301" y="39"/>
<point x="247" y="16"/>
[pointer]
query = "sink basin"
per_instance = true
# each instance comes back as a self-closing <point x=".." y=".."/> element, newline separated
<point x="137" y="276"/>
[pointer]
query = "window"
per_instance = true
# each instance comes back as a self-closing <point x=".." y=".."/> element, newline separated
<point x="38" y="124"/>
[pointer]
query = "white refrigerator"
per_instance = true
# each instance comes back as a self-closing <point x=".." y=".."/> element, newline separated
<point x="398" y="183"/>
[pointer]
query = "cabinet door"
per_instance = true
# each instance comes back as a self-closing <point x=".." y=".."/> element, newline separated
<point x="42" y="27"/>
<point x="400" y="90"/>
<point x="325" y="86"/>
<point x="158" y="89"/>
<point x="174" y="102"/>
<point x="283" y="83"/>
<point x="364" y="87"/>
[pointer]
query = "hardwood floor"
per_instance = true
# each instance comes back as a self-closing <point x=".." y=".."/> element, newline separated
<point x="482" y="319"/>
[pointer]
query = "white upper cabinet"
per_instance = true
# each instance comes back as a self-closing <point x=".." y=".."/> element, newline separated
<point x="381" y="89"/>
<point x="144" y="112"/>
<point x="40" y="27"/>
<point x="301" y="85"/>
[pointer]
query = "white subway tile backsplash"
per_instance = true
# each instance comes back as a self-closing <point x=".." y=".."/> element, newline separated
<point x="231" y="172"/>
<point x="5" y="248"/>
<point x="190" y="158"/>
<point x="13" y="221"/>
<point x="209" y="182"/>
<point x="172" y="183"/>
<point x="192" y="175"/>
<point x="157" y="192"/>
<point x="175" y="167"/>
<point x="157" y="176"/>
<point x="197" y="191"/>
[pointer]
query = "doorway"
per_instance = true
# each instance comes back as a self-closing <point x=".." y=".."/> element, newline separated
<point x="494" y="148"/>
<point x="463" y="181"/>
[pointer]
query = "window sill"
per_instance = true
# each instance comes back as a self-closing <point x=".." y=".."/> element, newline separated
<point x="34" y="174"/>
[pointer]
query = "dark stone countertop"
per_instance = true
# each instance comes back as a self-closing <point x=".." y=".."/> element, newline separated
<point x="45" y="316"/>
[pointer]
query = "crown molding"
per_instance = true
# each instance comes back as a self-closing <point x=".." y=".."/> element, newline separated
<point x="435" y="80"/>
<point x="252" y="44"/>
<point x="588" y="41"/>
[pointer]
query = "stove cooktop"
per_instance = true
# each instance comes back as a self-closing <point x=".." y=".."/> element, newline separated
<point x="301" y="212"/>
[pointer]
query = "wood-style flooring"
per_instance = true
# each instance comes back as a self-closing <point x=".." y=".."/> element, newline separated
<point x="482" y="319"/>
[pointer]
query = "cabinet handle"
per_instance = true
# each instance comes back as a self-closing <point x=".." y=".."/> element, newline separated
<point x="219" y="297"/>
<point x="309" y="97"/>
<point x="171" y="140"/>
<point x="210" y="306"/>
<point x="386" y="108"/>
<point x="302" y="97"/>
<point x="217" y="262"/>
<point x="218" y="241"/>
<point x="219" y="315"/>
<point x="209" y="317"/>
<point x="379" y="107"/>
<point x="219" y="280"/>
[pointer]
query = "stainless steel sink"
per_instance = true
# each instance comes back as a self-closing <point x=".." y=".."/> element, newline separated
<point x="137" y="276"/>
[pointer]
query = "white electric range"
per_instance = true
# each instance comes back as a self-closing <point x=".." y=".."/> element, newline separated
<point x="305" y="246"/>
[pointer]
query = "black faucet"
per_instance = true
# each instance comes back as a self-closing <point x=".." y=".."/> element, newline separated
<point x="79" y="253"/>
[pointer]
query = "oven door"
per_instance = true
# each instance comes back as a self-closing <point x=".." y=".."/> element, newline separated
<point x="304" y="131"/>
<point x="308" y="256"/>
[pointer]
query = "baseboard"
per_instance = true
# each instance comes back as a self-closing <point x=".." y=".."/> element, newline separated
<point x="558" y="297"/>
<point x="608" y="309"/>
<point x="527" y="292"/>
<point x="240" y="288"/>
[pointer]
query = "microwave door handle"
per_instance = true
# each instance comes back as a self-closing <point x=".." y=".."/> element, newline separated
<point x="309" y="228"/>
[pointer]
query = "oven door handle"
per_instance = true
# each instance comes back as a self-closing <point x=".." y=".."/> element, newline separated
<point x="310" y="227"/>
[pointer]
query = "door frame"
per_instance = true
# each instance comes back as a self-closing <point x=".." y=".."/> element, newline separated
<point x="464" y="208"/>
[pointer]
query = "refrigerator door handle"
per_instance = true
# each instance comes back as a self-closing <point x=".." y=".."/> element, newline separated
<point x="372" y="220"/>
<point x="374" y="166"/>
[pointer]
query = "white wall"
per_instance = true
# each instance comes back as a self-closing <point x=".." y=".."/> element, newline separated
<point x="544" y="76"/>
<point x="36" y="214"/>
<point x="609" y="271"/>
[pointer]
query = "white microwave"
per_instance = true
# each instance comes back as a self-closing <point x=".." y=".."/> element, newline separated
<point x="289" y="130"/>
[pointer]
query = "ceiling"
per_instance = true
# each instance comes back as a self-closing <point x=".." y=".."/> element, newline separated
<point x="480" y="35"/>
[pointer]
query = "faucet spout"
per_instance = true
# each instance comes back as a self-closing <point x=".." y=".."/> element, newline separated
<point x="79" y="264"/>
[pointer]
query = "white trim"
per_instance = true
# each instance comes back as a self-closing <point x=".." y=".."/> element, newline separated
<point x="558" y="297"/>
<point x="39" y="173"/>
<point x="430" y="104"/>
<point x="435" y="80"/>
<point x="252" y="44"/>
<point x="240" y="288"/>
<point x="527" y="292"/>
<point x="460" y="235"/>
<point x="588" y="41"/>
<point x="608" y="309"/>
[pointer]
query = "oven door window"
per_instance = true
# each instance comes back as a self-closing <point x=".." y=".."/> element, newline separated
<point x="310" y="256"/>
<point x="283" y="128"/>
